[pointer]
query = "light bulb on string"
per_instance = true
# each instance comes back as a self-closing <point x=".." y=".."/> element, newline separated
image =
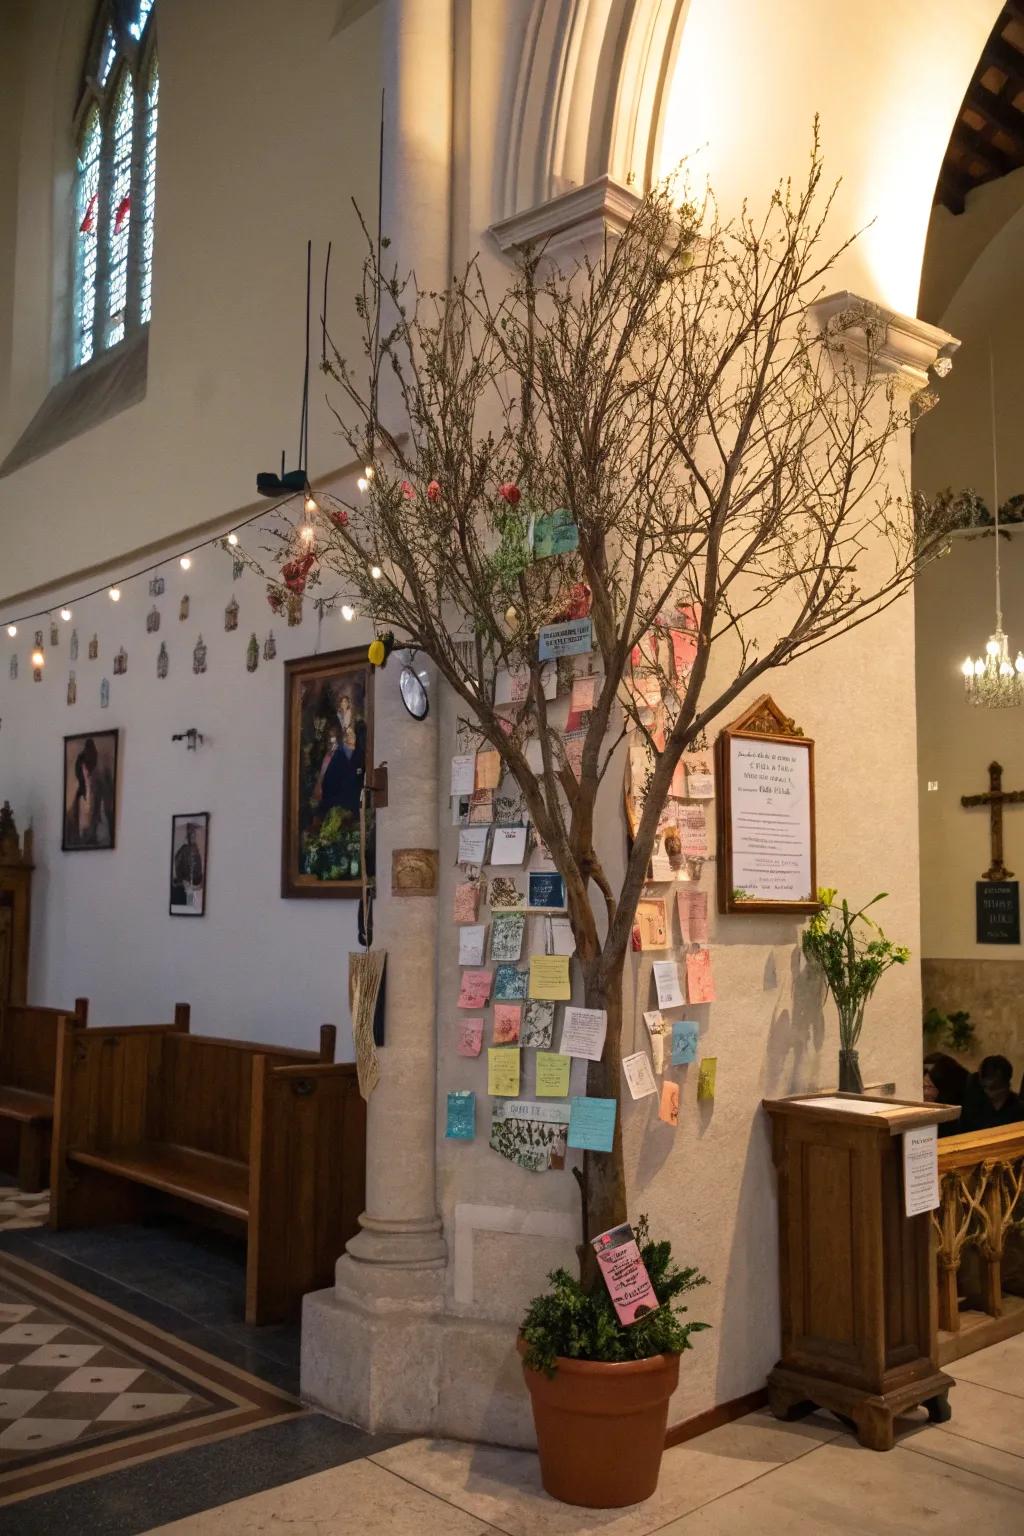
<point x="363" y="483"/>
<point x="12" y="630"/>
<point x="65" y="614"/>
<point x="376" y="572"/>
<point x="307" y="533"/>
<point x="185" y="562"/>
<point x="368" y="471"/>
<point x="348" y="613"/>
<point x="115" y="594"/>
<point x="38" y="659"/>
<point x="232" y="539"/>
<point x="310" y="504"/>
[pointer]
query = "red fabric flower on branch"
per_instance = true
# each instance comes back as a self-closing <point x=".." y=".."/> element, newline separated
<point x="407" y="491"/>
<point x="434" y="491"/>
<point x="339" y="518"/>
<point x="510" y="492"/>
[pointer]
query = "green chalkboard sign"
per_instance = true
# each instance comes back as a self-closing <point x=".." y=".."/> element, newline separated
<point x="998" y="908"/>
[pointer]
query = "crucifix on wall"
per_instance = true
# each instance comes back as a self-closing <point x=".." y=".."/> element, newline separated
<point x="997" y="893"/>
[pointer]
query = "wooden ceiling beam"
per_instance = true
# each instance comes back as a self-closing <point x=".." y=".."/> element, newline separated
<point x="972" y="142"/>
<point x="952" y="188"/>
<point x="1007" y="59"/>
<point x="997" y="112"/>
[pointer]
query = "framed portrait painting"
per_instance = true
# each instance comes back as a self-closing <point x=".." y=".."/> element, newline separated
<point x="328" y="757"/>
<point x="190" y="842"/>
<point x="90" y="791"/>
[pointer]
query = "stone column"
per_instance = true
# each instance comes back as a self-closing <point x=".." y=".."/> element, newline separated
<point x="371" y="1346"/>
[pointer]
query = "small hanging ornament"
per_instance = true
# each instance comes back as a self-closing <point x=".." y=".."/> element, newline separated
<point x="269" y="647"/>
<point x="153" y="620"/>
<point x="252" y="654"/>
<point x="104" y="694"/>
<point x="13" y="668"/>
<point x="512" y="616"/>
<point x="54" y="633"/>
<point x="231" y="615"/>
<point x="37" y="674"/>
<point x="199" y="657"/>
<point x="237" y="567"/>
<point x="294" y="606"/>
<point x="156" y="586"/>
<point x="39" y="640"/>
<point x="121" y="662"/>
<point x="94" y="647"/>
<point x="163" y="661"/>
<point x="72" y="689"/>
<point x="74" y="645"/>
<point x="183" y="609"/>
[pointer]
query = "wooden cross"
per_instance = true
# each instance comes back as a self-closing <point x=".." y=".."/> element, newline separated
<point x="996" y="798"/>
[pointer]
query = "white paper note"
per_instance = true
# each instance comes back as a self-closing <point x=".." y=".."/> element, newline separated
<point x="639" y="1076"/>
<point x="921" y="1169"/>
<point x="666" y="981"/>
<point x="558" y="937"/>
<point x="508" y="845"/>
<point x="463" y="774"/>
<point x="583" y="1032"/>
<point x="473" y="845"/>
<point x="471" y="944"/>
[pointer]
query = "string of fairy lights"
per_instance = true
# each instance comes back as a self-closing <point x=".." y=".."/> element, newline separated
<point x="306" y="533"/>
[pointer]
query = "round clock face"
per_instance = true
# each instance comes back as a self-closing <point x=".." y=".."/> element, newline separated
<point x="414" y="694"/>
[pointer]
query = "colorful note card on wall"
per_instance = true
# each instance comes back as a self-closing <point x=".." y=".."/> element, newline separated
<point x="583" y="1032"/>
<point x="700" y="981"/>
<point x="639" y="1076"/>
<point x="555" y="534"/>
<point x="650" y="924"/>
<point x="581" y="701"/>
<point x="471" y="1036"/>
<point x="487" y="770"/>
<point x="507" y="932"/>
<point x="552" y="1075"/>
<point x="461" y="1124"/>
<point x="473" y="845"/>
<point x="700" y="781"/>
<point x="668" y="1109"/>
<point x="592" y="1124"/>
<point x="684" y="651"/>
<point x="505" y="895"/>
<point x="507" y="1019"/>
<point x="666" y="981"/>
<point x="508" y="845"/>
<point x="692" y="823"/>
<point x="475" y="989"/>
<point x="538" y="1025"/>
<point x="706" y="1076"/>
<point x="466" y="902"/>
<point x="463" y="781"/>
<point x="510" y="984"/>
<point x="546" y="892"/>
<point x="573" y="638"/>
<point x="684" y="1042"/>
<point x="549" y="978"/>
<point x="503" y="1071"/>
<point x="693" y="916"/>
<point x="472" y="943"/>
<point x="656" y="1029"/>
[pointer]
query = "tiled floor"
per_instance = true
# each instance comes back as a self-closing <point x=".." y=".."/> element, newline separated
<point x="803" y="1479"/>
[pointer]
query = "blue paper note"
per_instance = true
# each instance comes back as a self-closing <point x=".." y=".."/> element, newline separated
<point x="573" y="638"/>
<point x="546" y="892"/>
<point x="684" y="1042"/>
<point x="461" y="1116"/>
<point x="555" y="534"/>
<point x="591" y="1124"/>
<point x="511" y="985"/>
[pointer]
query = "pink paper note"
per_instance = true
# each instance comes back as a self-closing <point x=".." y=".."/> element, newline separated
<point x="581" y="701"/>
<point x="700" y="983"/>
<point x="475" y="989"/>
<point x="684" y="651"/>
<point x="471" y="1037"/>
<point x="668" y="1109"/>
<point x="693" y="916"/>
<point x="625" y="1274"/>
<point x="678" y="785"/>
<point x="466" y="902"/>
<point x="693" y="831"/>
<point x="507" y="1017"/>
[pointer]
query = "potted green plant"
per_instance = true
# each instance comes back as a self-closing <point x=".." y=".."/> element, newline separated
<point x="854" y="955"/>
<point x="599" y="1390"/>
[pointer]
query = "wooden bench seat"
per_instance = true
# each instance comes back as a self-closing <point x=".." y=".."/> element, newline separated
<point x="218" y="1183"/>
<point x="262" y="1139"/>
<point x="28" y="1066"/>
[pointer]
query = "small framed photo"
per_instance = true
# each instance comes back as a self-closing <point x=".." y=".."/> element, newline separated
<point x="190" y="842"/>
<point x="90" y="791"/>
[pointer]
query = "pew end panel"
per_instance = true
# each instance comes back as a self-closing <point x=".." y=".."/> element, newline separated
<point x="307" y="1181"/>
<point x="28" y="1069"/>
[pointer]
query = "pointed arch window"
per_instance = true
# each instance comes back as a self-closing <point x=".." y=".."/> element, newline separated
<point x="115" y="185"/>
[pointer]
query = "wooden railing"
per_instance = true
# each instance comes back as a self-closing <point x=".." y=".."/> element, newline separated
<point x="980" y="1240"/>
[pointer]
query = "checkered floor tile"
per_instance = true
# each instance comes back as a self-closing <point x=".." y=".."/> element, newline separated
<point x="18" y="1210"/>
<point x="58" y="1385"/>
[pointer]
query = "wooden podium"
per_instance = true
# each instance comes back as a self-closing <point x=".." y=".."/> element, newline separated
<point x="857" y="1275"/>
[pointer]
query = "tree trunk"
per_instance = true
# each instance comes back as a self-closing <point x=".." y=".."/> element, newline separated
<point x="603" y="1179"/>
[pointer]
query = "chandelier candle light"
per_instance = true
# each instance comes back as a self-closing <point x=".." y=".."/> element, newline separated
<point x="993" y="679"/>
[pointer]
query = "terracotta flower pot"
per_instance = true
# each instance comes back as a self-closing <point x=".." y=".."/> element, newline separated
<point x="601" y="1428"/>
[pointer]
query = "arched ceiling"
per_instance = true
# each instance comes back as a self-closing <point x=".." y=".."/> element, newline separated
<point x="988" y="139"/>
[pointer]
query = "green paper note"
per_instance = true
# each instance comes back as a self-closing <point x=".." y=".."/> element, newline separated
<point x="552" y="1075"/>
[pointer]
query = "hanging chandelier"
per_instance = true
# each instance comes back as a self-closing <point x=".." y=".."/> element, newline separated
<point x="993" y="680"/>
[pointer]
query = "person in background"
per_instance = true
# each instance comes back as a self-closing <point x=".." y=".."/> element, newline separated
<point x="945" y="1082"/>
<point x="992" y="1102"/>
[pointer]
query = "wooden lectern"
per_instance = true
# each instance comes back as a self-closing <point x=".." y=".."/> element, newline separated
<point x="857" y="1275"/>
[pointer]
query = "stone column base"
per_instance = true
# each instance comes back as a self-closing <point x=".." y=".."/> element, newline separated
<point x="379" y="1352"/>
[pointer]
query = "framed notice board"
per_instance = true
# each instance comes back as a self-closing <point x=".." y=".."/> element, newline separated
<point x="765" y="808"/>
<point x="998" y="911"/>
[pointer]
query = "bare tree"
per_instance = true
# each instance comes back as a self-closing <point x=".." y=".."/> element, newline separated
<point x="721" y="456"/>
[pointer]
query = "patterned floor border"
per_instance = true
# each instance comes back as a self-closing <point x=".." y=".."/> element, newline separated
<point x="236" y="1402"/>
<point x="19" y="1211"/>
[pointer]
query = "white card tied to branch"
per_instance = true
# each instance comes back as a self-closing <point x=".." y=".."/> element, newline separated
<point x="583" y="1032"/>
<point x="920" y="1170"/>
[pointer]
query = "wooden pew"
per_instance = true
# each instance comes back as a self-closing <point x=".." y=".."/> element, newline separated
<point x="265" y="1140"/>
<point x="28" y="1068"/>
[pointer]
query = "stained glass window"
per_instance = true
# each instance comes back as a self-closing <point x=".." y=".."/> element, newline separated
<point x="115" y="184"/>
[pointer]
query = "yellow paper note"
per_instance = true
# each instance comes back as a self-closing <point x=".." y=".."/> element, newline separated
<point x="488" y="770"/>
<point x="706" y="1077"/>
<point x="503" y="1071"/>
<point x="552" y="1075"/>
<point x="549" y="978"/>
